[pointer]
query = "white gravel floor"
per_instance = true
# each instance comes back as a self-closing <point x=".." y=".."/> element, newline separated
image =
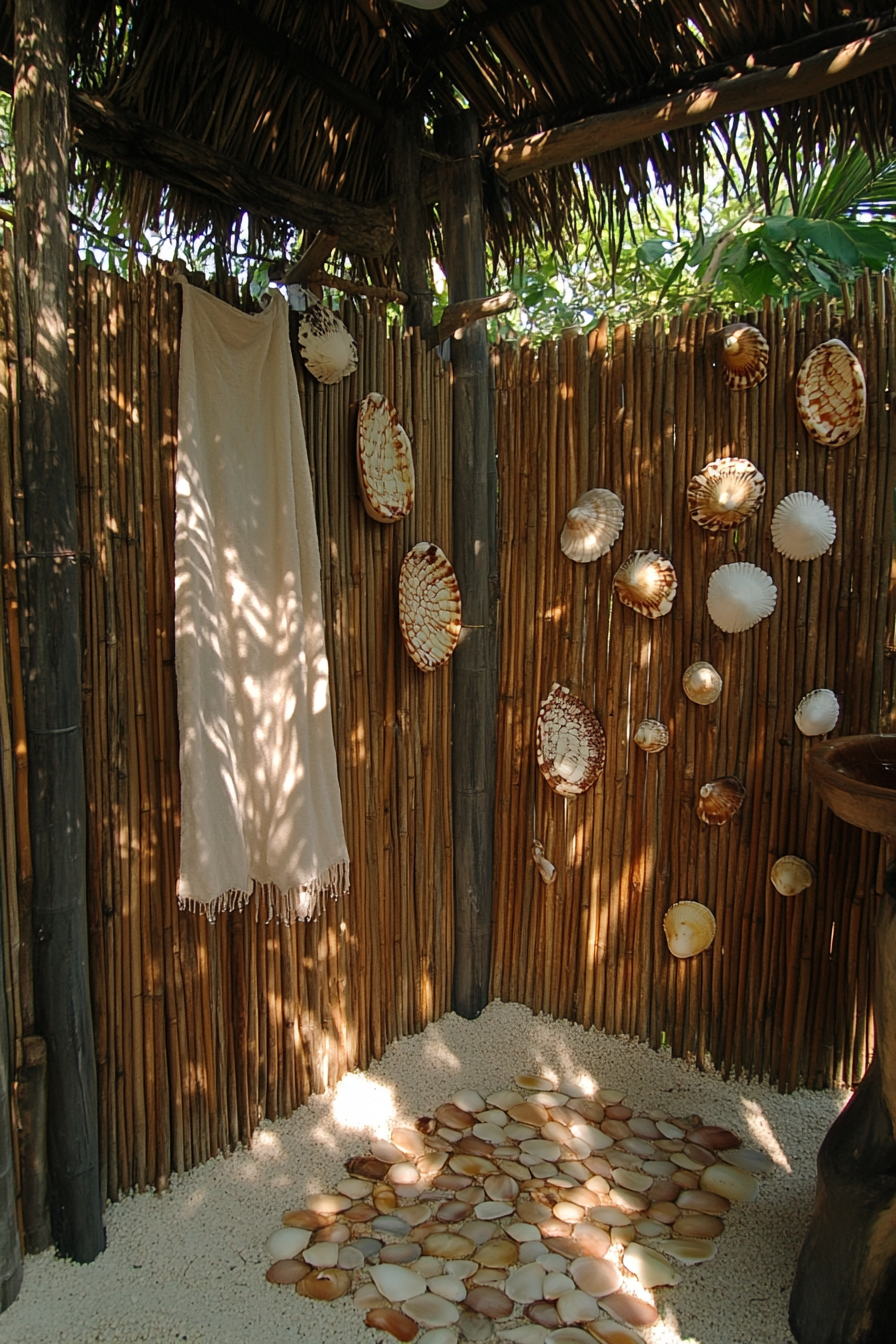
<point x="189" y="1266"/>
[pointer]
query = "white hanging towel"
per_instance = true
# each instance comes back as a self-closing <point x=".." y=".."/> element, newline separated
<point x="260" y="802"/>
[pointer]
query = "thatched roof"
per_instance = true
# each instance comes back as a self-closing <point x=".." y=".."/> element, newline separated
<point x="303" y="93"/>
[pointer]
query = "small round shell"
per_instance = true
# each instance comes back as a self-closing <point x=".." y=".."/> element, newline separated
<point x="725" y="492"/>
<point x="327" y="345"/>
<point x="651" y="735"/>
<point x="744" y="356"/>
<point x="646" y="582"/>
<point x="702" y="684"/>
<point x="830" y="394"/>
<point x="546" y="870"/>
<point x="592" y="526"/>
<point x="739" y="595"/>
<point x="385" y="463"/>
<point x="428" y="606"/>
<point x="720" y="799"/>
<point x="569" y="743"/>
<point x="817" y="712"/>
<point x="689" y="927"/>
<point x="803" y="526"/>
<point x="791" y="874"/>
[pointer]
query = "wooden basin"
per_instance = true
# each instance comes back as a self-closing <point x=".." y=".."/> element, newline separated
<point x="856" y="777"/>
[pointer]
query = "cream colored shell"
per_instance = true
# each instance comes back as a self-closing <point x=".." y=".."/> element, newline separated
<point x="803" y="526"/>
<point x="744" y="356"/>
<point x="569" y="743"/>
<point x="385" y="462"/>
<point x="428" y="606"/>
<point x="592" y="526"/>
<point x="327" y="345"/>
<point x="546" y="870"/>
<point x="719" y="799"/>
<point x="646" y="582"/>
<point x="791" y="874"/>
<point x="817" y="713"/>
<point x="651" y="735"/>
<point x="689" y="927"/>
<point x="739" y="595"/>
<point x="830" y="394"/>
<point x="702" y="683"/>
<point x="725" y="492"/>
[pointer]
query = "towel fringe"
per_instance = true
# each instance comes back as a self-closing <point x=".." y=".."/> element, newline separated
<point x="286" y="907"/>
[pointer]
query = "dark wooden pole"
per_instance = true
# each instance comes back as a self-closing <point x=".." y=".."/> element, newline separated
<point x="474" y="666"/>
<point x="405" y="138"/>
<point x="50" y="583"/>
<point x="10" y="1251"/>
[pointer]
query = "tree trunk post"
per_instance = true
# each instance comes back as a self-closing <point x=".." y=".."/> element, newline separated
<point x="10" y="1251"/>
<point x="474" y="666"/>
<point x="49" y="574"/>
<point x="410" y="218"/>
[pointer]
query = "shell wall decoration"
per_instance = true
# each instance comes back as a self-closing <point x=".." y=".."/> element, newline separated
<point x="803" y="527"/>
<point x="328" y="347"/>
<point x="569" y="743"/>
<point x="725" y="493"/>
<point x="428" y="606"/>
<point x="689" y="927"/>
<point x="652" y="736"/>
<point x="739" y="596"/>
<point x="830" y="394"/>
<point x="817" y="712"/>
<point x="702" y="683"/>
<point x="385" y="462"/>
<point x="791" y="875"/>
<point x="718" y="800"/>
<point x="592" y="526"/>
<point x="744" y="356"/>
<point x="646" y="582"/>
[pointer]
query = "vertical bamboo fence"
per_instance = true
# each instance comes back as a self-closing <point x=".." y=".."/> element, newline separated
<point x="785" y="988"/>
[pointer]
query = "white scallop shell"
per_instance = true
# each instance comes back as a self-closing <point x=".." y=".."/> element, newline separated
<point x="385" y="463"/>
<point x="702" y="683"/>
<point x="791" y="874"/>
<point x="327" y="345"/>
<point x="739" y="595"/>
<point x="592" y="525"/>
<point x="646" y="582"/>
<point x="830" y="394"/>
<point x="803" y="526"/>
<point x="569" y="743"/>
<point x="689" y="927"/>
<point x="651" y="735"/>
<point x="744" y="356"/>
<point x="725" y="492"/>
<point x="817" y="712"/>
<point x="428" y="605"/>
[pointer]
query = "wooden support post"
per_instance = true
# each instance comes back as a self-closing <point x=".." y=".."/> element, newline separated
<point x="410" y="218"/>
<point x="10" y="1250"/>
<point x="49" y="574"/>
<point x="474" y="666"/>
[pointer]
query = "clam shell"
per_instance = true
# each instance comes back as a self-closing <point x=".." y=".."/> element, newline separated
<point x="702" y="683"/>
<point x="830" y="394"/>
<point x="592" y="526"/>
<point x="730" y="1182"/>
<point x="646" y="582"/>
<point x="803" y="526"/>
<point x="651" y="735"/>
<point x="428" y="605"/>
<point x="725" y="492"/>
<point x="690" y="928"/>
<point x="719" y="799"/>
<point x="385" y="462"/>
<point x="325" y="1285"/>
<point x="327" y="346"/>
<point x="791" y="874"/>
<point x="393" y="1322"/>
<point x="744" y="356"/>
<point x="569" y="743"/>
<point x="739" y="595"/>
<point x="817" y="712"/>
<point x="651" y="1269"/>
<point x="546" y="870"/>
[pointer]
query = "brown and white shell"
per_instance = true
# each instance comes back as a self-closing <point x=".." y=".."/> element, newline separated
<point x="546" y="870"/>
<point x="646" y="582"/>
<point x="592" y="526"/>
<point x="569" y="743"/>
<point x="385" y="462"/>
<point x="702" y="683"/>
<point x="725" y="492"/>
<point x="830" y="394"/>
<point x="719" y="799"/>
<point x="790" y="874"/>
<point x="651" y="735"/>
<point x="744" y="356"/>
<point x="328" y="347"/>
<point x="740" y="595"/>
<point x="428" y="605"/>
<point x="689" y="928"/>
<point x="803" y="526"/>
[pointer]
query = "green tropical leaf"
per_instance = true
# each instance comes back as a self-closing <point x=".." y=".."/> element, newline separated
<point x="652" y="250"/>
<point x="829" y="238"/>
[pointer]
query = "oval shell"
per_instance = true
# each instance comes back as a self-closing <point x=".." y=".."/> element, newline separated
<point x="646" y="582"/>
<point x="739" y="596"/>
<point x="803" y="526"/>
<point x="569" y="743"/>
<point x="817" y="712"/>
<point x="744" y="355"/>
<point x="592" y="525"/>
<point x="328" y="347"/>
<point x="428" y="605"/>
<point x="702" y="684"/>
<point x="385" y="463"/>
<point x="791" y="874"/>
<point x="830" y="394"/>
<point x="725" y="492"/>
<point x="720" y="799"/>
<point x="546" y="870"/>
<point x="689" y="927"/>
<point x="651" y="735"/>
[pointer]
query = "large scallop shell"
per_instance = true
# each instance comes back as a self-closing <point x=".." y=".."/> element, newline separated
<point x="569" y="743"/>
<point x="385" y="463"/>
<point x="725" y="492"/>
<point x="592" y="525"/>
<point x="744" y="355"/>
<point x="803" y="526"/>
<point x="702" y="683"/>
<point x="817" y="712"/>
<point x="689" y="927"/>
<point x="646" y="582"/>
<point x="719" y="799"/>
<point x="739" y="595"/>
<point x="830" y="394"/>
<point x="791" y="874"/>
<point x="327" y="345"/>
<point x="651" y="735"/>
<point x="428" y="605"/>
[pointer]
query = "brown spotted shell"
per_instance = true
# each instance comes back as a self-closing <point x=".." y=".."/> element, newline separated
<point x="569" y="743"/>
<point x="428" y="605"/>
<point x="830" y="394"/>
<point x="689" y="928"/>
<point x="718" y="800"/>
<point x="744" y="356"/>
<point x="385" y="463"/>
<point x="725" y="492"/>
<point x="646" y="582"/>
<point x="327" y="345"/>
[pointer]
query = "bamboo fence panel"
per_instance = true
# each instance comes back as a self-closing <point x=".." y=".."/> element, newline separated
<point x="785" y="989"/>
